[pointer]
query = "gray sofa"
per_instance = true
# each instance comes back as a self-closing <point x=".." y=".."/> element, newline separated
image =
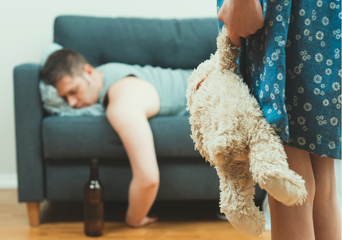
<point x="53" y="152"/>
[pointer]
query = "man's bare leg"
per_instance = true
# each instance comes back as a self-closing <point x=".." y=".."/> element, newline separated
<point x="295" y="222"/>
<point x="131" y="103"/>
<point x="326" y="212"/>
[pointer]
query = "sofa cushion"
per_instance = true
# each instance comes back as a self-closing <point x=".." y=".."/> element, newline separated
<point x="182" y="43"/>
<point x="86" y="137"/>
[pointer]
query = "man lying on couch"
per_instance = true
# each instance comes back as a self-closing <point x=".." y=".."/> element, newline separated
<point x="131" y="95"/>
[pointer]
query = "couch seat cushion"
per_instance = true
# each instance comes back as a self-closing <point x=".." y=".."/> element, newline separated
<point x="86" y="137"/>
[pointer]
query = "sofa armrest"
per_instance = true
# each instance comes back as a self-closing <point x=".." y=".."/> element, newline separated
<point x="28" y="118"/>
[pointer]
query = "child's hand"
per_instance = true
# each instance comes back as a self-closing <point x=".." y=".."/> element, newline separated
<point x="242" y="18"/>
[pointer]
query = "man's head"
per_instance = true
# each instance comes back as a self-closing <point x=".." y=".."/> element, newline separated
<point x="73" y="77"/>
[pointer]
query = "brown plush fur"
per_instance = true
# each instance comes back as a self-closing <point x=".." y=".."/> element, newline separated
<point x="230" y="131"/>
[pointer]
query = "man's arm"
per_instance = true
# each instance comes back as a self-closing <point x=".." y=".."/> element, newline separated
<point x="131" y="102"/>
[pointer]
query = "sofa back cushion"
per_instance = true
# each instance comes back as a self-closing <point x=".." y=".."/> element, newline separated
<point x="158" y="42"/>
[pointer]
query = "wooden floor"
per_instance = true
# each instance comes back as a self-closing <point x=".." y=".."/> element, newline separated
<point x="177" y="221"/>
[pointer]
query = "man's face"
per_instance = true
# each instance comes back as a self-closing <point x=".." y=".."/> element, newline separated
<point x="78" y="91"/>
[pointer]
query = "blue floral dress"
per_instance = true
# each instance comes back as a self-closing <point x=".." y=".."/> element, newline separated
<point x="293" y="67"/>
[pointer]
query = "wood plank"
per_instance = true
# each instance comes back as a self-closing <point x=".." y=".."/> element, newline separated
<point x="177" y="221"/>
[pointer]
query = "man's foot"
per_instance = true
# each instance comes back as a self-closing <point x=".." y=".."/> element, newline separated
<point x="144" y="222"/>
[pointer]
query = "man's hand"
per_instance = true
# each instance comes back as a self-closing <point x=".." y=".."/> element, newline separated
<point x="242" y="18"/>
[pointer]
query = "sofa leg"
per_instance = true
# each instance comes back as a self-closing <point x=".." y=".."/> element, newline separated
<point x="33" y="213"/>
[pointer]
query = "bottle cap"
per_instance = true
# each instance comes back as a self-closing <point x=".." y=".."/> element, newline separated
<point x="94" y="161"/>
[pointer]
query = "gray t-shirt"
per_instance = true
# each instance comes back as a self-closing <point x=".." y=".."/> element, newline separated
<point x="171" y="84"/>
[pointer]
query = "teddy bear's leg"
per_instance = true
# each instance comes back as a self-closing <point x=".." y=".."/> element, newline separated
<point x="270" y="169"/>
<point x="236" y="198"/>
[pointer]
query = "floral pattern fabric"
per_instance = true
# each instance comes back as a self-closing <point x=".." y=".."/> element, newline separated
<point x="293" y="68"/>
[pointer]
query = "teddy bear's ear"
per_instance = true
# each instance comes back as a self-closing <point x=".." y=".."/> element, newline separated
<point x="227" y="52"/>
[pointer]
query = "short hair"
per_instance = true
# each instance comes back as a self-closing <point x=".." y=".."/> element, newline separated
<point x="60" y="63"/>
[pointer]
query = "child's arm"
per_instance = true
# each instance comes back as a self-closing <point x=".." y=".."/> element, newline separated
<point x="131" y="102"/>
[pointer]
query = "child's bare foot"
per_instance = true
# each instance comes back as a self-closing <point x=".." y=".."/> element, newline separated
<point x="144" y="222"/>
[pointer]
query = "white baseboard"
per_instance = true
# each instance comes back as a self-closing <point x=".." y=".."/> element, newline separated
<point x="8" y="181"/>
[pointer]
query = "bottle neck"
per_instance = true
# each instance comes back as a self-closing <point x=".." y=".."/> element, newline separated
<point x="94" y="170"/>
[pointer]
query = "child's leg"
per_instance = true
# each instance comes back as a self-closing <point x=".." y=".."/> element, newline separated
<point x="131" y="101"/>
<point x="326" y="213"/>
<point x="295" y="222"/>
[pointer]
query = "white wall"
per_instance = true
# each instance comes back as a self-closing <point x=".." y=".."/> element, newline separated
<point x="27" y="25"/>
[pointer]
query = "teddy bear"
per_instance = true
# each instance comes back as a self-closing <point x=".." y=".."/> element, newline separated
<point x="229" y="130"/>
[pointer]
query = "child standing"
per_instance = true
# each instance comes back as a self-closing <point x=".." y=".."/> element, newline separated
<point x="292" y="64"/>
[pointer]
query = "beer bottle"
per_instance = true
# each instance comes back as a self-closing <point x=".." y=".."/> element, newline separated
<point x="93" y="203"/>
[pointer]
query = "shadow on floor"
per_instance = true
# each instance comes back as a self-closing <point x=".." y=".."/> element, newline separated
<point x="115" y="211"/>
